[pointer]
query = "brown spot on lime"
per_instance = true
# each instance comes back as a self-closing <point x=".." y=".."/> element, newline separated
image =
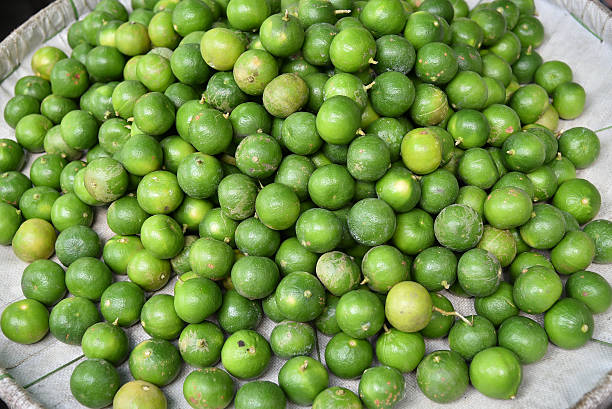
<point x="241" y="343"/>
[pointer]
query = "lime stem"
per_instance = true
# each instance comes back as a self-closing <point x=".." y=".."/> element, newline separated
<point x="370" y="85"/>
<point x="455" y="313"/>
<point x="230" y="160"/>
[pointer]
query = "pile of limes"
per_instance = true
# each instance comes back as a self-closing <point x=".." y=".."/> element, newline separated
<point x="334" y="165"/>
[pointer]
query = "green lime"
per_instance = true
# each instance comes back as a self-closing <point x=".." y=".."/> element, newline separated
<point x="285" y="95"/>
<point x="381" y="387"/>
<point x="525" y="337"/>
<point x="500" y="243"/>
<point x="336" y="397"/>
<point x="254" y="277"/>
<point x="76" y="242"/>
<point x="105" y="341"/>
<point x="191" y="16"/>
<point x="400" y="350"/>
<point x="573" y="253"/>
<point x="423" y="27"/>
<point x="211" y="258"/>
<point x="94" y="382"/>
<point x="302" y="378"/>
<point x="291" y="257"/>
<point x="498" y="306"/>
<point x="46" y="170"/>
<point x="260" y="395"/>
<point x="578" y="197"/>
<point x="237" y="312"/>
<point x="300" y="297"/>
<point x="399" y="188"/>
<point x="352" y="49"/>
<point x="338" y="120"/>
<point x="414" y="232"/>
<point x="569" y="100"/>
<point x="435" y="268"/>
<point x="212" y="383"/>
<point x="71" y="317"/>
<point x="338" y="272"/>
<point x="458" y="227"/>
<point x="69" y="78"/>
<point x="430" y="106"/>
<point x="443" y="376"/>
<point x="125" y="216"/>
<point x="121" y="303"/>
<point x="88" y="277"/>
<point x="371" y="222"/>
<point x="579" y="145"/>
<point x="472" y="196"/>
<point x="289" y="339"/>
<point x="496" y="372"/>
<point x="43" y="280"/>
<point x="147" y="271"/>
<point x="438" y="190"/>
<point x="507" y="207"/>
<point x="318" y="230"/>
<point x="479" y="272"/>
<point x="245" y="354"/>
<point x="383" y="267"/>
<point x="36" y="202"/>
<point x="467" y="90"/>
<point x="18" y="107"/>
<point x="218" y="226"/>
<point x="13" y="185"/>
<point x="277" y="206"/>
<point x="25" y="321"/>
<point x="537" y="289"/>
<point x="33" y="86"/>
<point x="200" y="344"/>
<point x="30" y="131"/>
<point x="347" y="357"/>
<point x="196" y="299"/>
<point x="180" y="263"/>
<point x="590" y="288"/>
<point x="569" y="323"/>
<point x="600" y="231"/>
<point x="156" y="361"/>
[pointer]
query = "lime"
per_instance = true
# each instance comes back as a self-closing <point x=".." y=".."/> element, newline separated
<point x="525" y="337"/>
<point x="139" y="395"/>
<point x="200" y="344"/>
<point x="496" y="372"/>
<point x="156" y="361"/>
<point x="25" y="321"/>
<point x="121" y="303"/>
<point x="94" y="382"/>
<point x="289" y="339"/>
<point x="381" y="387"/>
<point x="393" y="347"/>
<point x="443" y="376"/>
<point x="302" y="378"/>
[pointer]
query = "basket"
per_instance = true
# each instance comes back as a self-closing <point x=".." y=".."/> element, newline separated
<point x="577" y="31"/>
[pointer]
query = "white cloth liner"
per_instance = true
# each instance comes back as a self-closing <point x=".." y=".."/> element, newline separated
<point x="558" y="381"/>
